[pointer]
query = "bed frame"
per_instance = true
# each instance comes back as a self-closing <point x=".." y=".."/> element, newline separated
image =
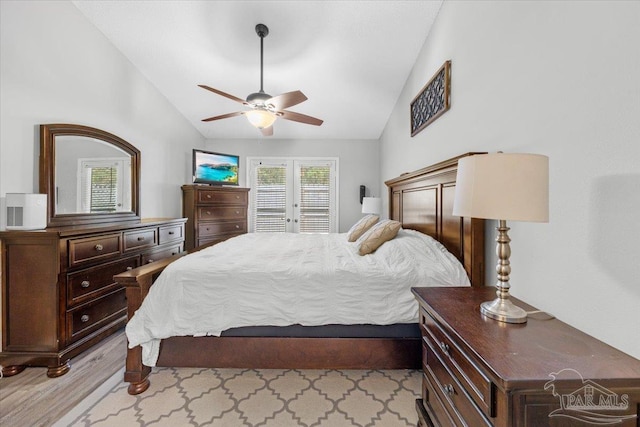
<point x="420" y="200"/>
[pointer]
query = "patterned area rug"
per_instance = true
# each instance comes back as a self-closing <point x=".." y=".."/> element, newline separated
<point x="269" y="397"/>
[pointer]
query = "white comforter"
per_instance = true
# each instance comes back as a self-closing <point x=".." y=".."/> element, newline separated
<point x="285" y="279"/>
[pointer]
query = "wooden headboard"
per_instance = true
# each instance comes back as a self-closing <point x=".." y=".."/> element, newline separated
<point x="423" y="201"/>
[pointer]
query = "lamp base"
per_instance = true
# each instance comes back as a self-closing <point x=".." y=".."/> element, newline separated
<point x="503" y="310"/>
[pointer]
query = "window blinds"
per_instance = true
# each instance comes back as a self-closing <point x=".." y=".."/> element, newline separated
<point x="314" y="199"/>
<point x="103" y="190"/>
<point x="270" y="199"/>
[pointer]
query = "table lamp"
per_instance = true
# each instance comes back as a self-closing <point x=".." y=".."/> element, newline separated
<point x="371" y="205"/>
<point x="503" y="187"/>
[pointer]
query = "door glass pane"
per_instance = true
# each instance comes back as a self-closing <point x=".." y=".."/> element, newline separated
<point x="270" y="199"/>
<point x="104" y="187"/>
<point x="315" y="199"/>
<point x="101" y="185"/>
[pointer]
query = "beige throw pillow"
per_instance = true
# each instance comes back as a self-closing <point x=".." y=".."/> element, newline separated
<point x="381" y="232"/>
<point x="360" y="227"/>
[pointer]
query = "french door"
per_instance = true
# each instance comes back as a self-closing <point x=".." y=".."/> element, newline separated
<point x="293" y="195"/>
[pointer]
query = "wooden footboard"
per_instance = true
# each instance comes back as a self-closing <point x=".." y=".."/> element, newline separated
<point x="137" y="283"/>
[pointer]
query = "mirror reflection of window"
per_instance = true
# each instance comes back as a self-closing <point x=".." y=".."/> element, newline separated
<point x="76" y="157"/>
<point x="102" y="185"/>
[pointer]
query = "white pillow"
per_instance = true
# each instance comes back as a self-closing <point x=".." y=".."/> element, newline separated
<point x="360" y="227"/>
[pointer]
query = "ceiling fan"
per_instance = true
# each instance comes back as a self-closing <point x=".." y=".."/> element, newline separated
<point x="264" y="108"/>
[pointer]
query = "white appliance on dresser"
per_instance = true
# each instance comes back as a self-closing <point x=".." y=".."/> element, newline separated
<point x="26" y="211"/>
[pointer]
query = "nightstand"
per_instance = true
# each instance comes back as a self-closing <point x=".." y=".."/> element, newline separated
<point x="481" y="372"/>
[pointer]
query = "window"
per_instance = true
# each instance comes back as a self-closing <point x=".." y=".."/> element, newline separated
<point x="102" y="186"/>
<point x="293" y="195"/>
<point x="270" y="198"/>
<point x="314" y="192"/>
<point x="104" y="189"/>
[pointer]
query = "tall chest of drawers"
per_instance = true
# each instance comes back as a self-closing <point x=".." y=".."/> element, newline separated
<point x="481" y="372"/>
<point x="58" y="293"/>
<point x="214" y="213"/>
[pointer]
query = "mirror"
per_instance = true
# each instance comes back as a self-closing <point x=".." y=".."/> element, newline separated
<point x="90" y="176"/>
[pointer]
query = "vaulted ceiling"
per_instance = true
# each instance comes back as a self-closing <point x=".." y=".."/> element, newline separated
<point x="350" y="58"/>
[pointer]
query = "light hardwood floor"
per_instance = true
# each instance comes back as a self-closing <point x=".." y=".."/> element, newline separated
<point x="32" y="399"/>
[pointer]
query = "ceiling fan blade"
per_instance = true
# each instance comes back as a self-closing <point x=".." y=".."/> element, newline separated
<point x="226" y="95"/>
<point x="302" y="118"/>
<point x="286" y="100"/>
<point x="223" y="116"/>
<point x="267" y="131"/>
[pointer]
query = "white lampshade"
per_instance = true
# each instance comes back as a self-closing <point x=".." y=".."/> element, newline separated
<point x="504" y="186"/>
<point x="260" y="118"/>
<point x="371" y="205"/>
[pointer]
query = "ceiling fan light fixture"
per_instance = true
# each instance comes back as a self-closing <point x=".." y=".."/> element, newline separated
<point x="265" y="108"/>
<point x="260" y="118"/>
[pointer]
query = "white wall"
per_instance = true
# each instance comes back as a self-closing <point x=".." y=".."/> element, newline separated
<point x="561" y="79"/>
<point x="56" y="67"/>
<point x="359" y="161"/>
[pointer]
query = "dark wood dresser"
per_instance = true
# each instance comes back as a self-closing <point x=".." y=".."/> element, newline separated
<point x="214" y="213"/>
<point x="480" y="372"/>
<point x="58" y="293"/>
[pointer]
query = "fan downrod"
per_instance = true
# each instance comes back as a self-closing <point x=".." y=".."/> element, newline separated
<point x="260" y="97"/>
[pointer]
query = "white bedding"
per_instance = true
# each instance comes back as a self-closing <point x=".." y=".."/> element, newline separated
<point x="284" y="279"/>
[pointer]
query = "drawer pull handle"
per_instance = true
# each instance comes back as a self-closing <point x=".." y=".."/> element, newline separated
<point x="174" y="253"/>
<point x="129" y="268"/>
<point x="237" y="212"/>
<point x="237" y="226"/>
<point x="150" y="261"/>
<point x="84" y="318"/>
<point x="448" y="389"/>
<point x="99" y="247"/>
<point x="208" y="213"/>
<point x="140" y="238"/>
<point x="445" y="347"/>
<point x="85" y="284"/>
<point x="237" y="197"/>
<point x="171" y="232"/>
<point x="208" y="196"/>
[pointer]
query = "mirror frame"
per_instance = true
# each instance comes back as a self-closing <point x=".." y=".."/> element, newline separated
<point x="48" y="134"/>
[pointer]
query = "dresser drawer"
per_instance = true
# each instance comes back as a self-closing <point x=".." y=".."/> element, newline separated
<point x="211" y="229"/>
<point x="434" y="407"/>
<point x="170" y="233"/>
<point x="449" y="390"/>
<point x="463" y="368"/>
<point x="90" y="317"/>
<point x="221" y="212"/>
<point x="140" y="239"/>
<point x="222" y="197"/>
<point x="86" y="284"/>
<point x="93" y="249"/>
<point x="150" y="257"/>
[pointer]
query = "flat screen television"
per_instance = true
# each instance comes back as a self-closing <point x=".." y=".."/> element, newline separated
<point x="215" y="168"/>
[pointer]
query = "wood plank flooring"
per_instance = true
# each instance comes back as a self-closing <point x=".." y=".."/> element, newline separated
<point x="32" y="399"/>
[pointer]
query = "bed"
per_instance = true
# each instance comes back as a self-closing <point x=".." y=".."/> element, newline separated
<point x="421" y="201"/>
